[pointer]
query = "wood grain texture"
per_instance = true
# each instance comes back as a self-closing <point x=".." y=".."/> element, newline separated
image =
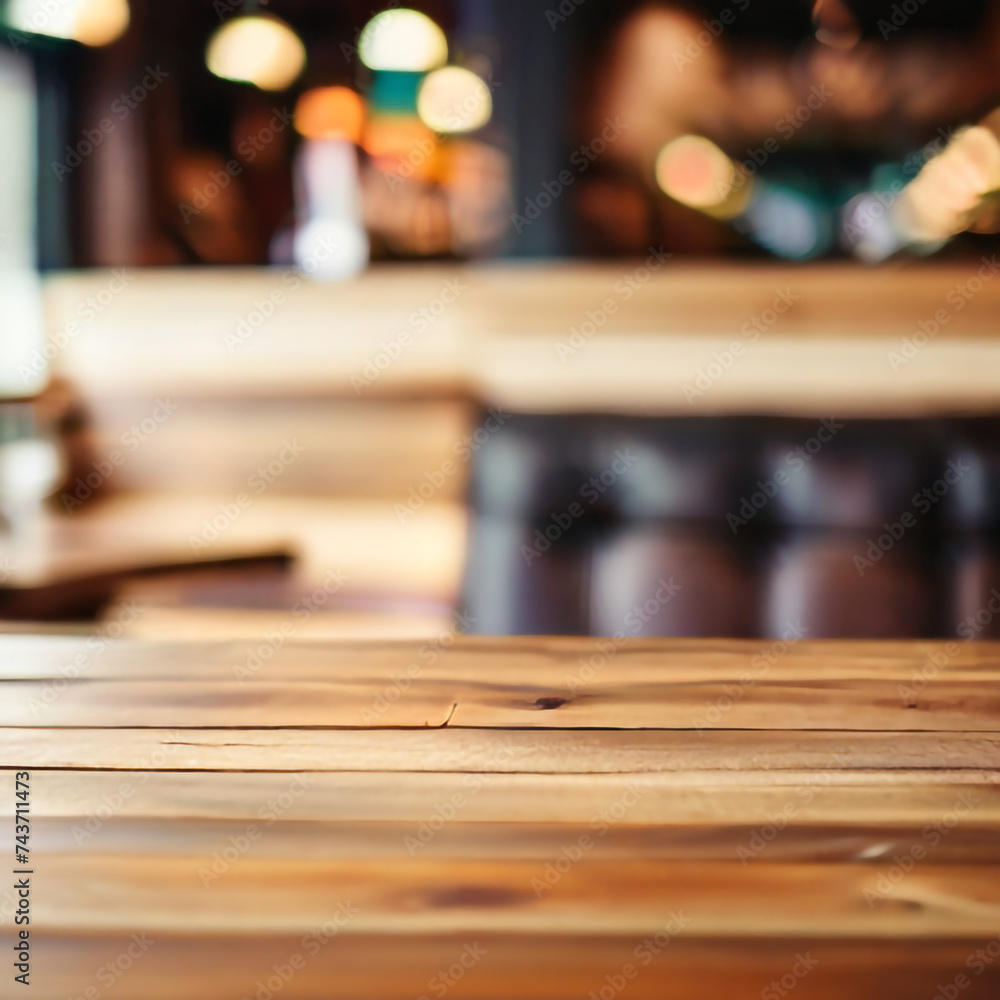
<point x="745" y="798"/>
<point x="533" y="659"/>
<point x="471" y="751"/>
<point x="838" y="840"/>
<point x="550" y="804"/>
<point x="479" y="683"/>
<point x="411" y="967"/>
<point x="171" y="894"/>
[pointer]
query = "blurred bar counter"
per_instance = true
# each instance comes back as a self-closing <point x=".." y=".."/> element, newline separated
<point x="646" y="337"/>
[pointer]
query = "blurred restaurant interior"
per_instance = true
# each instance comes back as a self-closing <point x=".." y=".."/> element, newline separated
<point x="505" y="317"/>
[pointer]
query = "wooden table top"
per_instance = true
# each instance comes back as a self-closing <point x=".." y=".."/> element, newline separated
<point x="506" y="818"/>
<point x="362" y="553"/>
<point x="619" y="337"/>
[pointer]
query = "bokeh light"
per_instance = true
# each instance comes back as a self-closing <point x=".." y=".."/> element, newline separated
<point x="404" y="40"/>
<point x="694" y="171"/>
<point x="330" y="113"/>
<point x="946" y="196"/>
<point x="92" y="22"/>
<point x="261" y="50"/>
<point x="453" y="100"/>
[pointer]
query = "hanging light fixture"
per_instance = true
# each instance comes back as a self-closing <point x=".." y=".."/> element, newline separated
<point x="92" y="22"/>
<point x="257" y="48"/>
<point x="402" y="40"/>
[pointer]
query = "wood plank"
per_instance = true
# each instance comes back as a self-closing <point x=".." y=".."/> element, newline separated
<point x="835" y="841"/>
<point x="750" y="798"/>
<point x="543" y="967"/>
<point x="657" y="703"/>
<point x="546" y="751"/>
<point x="418" y="896"/>
<point x="532" y="683"/>
<point x="557" y="661"/>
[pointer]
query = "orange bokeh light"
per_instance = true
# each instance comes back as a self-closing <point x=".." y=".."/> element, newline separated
<point x="330" y="113"/>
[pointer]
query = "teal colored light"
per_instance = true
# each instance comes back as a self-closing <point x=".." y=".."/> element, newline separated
<point x="395" y="92"/>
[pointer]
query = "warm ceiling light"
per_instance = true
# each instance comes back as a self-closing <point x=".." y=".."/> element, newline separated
<point x="454" y="100"/>
<point x="402" y="40"/>
<point x="330" y="113"/>
<point x="694" y="171"/>
<point x="258" y="49"/>
<point x="92" y="22"/>
<point x="949" y="192"/>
